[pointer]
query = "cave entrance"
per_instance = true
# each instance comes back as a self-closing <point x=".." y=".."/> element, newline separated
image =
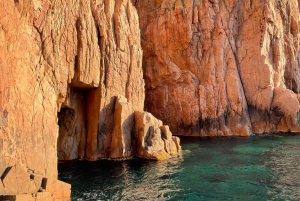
<point x="71" y="140"/>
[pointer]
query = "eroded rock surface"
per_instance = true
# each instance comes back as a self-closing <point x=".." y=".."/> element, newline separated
<point x="153" y="140"/>
<point x="211" y="67"/>
<point x="138" y="133"/>
<point x="215" y="67"/>
<point x="63" y="65"/>
<point x="122" y="136"/>
<point x="71" y="142"/>
<point x="71" y="57"/>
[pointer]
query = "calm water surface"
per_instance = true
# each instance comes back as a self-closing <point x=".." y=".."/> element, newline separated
<point x="253" y="168"/>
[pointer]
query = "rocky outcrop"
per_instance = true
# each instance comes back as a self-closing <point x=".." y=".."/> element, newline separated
<point x="153" y="140"/>
<point x="217" y="67"/>
<point x="122" y="136"/>
<point x="21" y="186"/>
<point x="134" y="133"/>
<point x="138" y="133"/>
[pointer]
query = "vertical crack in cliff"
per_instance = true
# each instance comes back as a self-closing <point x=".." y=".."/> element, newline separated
<point x="4" y="174"/>
<point x="76" y="62"/>
<point x="43" y="131"/>
<point x="237" y="63"/>
<point x="129" y="66"/>
<point x="101" y="44"/>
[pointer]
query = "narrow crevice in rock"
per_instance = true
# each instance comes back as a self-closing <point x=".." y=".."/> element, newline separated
<point x="44" y="183"/>
<point x="4" y="174"/>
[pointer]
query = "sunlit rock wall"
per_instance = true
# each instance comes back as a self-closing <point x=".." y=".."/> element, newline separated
<point x="62" y="62"/>
<point x="222" y="67"/>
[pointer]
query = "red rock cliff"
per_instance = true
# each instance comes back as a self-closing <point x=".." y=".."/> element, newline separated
<point x="71" y="80"/>
<point x="222" y="67"/>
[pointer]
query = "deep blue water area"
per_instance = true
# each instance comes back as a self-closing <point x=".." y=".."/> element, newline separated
<point x="235" y="168"/>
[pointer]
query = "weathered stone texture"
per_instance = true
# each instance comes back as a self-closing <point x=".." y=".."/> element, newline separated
<point x="70" y="80"/>
<point x="28" y="95"/>
<point x="214" y="67"/>
<point x="72" y="71"/>
<point x="71" y="57"/>
<point x="71" y="142"/>
<point x="122" y="136"/>
<point x="152" y="139"/>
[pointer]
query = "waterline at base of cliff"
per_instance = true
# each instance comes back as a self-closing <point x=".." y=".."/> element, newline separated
<point x="253" y="168"/>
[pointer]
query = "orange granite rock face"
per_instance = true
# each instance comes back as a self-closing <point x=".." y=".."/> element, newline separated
<point x="122" y="136"/>
<point x="215" y="68"/>
<point x="71" y="142"/>
<point x="29" y="89"/>
<point x="152" y="139"/>
<point x="70" y="80"/>
<point x="62" y="65"/>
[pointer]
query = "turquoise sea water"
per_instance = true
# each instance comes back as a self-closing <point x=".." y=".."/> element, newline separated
<point x="253" y="168"/>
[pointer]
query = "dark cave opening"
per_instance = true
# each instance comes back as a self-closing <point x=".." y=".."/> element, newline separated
<point x="71" y="142"/>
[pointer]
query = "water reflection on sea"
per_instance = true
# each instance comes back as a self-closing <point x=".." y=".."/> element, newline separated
<point x="130" y="180"/>
<point x="284" y="162"/>
<point x="253" y="168"/>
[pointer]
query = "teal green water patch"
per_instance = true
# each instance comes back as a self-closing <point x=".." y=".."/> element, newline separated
<point x="254" y="168"/>
<point x="249" y="149"/>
